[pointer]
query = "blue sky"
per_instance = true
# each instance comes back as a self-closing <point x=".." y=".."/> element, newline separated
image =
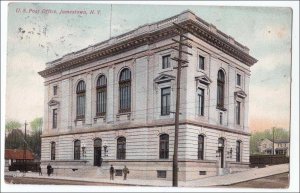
<point x="265" y="31"/>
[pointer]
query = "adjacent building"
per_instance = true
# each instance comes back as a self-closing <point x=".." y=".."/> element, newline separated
<point x="113" y="103"/>
<point x="281" y="147"/>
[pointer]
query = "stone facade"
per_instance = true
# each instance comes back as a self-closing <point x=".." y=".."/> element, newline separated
<point x="141" y="51"/>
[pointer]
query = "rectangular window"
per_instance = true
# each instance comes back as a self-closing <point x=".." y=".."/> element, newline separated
<point x="166" y="61"/>
<point x="238" y="112"/>
<point x="238" y="151"/>
<point x="80" y="106"/>
<point x="101" y="101"/>
<point x="161" y="174"/>
<point x="54" y="90"/>
<point x="221" y="118"/>
<point x="165" y="101"/>
<point x="119" y="173"/>
<point x="201" y="62"/>
<point x="202" y="173"/>
<point x="238" y="79"/>
<point x="201" y="102"/>
<point x="54" y="118"/>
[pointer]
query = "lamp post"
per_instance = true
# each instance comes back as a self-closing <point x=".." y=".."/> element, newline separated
<point x="105" y="150"/>
<point x="83" y="150"/>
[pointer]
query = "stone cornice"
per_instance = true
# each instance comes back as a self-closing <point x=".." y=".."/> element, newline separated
<point x="157" y="123"/>
<point x="149" y="34"/>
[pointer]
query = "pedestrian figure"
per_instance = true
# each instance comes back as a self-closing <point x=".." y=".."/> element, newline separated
<point x="49" y="169"/>
<point x="125" y="172"/>
<point x="112" y="171"/>
<point x="40" y="171"/>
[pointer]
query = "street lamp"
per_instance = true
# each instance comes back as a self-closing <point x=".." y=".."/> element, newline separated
<point x="105" y="150"/>
<point x="83" y="150"/>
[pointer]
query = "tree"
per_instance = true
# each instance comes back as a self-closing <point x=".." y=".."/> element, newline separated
<point x="14" y="139"/>
<point x="12" y="124"/>
<point x="34" y="140"/>
<point x="256" y="137"/>
<point x="36" y="124"/>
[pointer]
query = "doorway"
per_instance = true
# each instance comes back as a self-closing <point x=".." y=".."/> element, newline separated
<point x="221" y="146"/>
<point x="97" y="152"/>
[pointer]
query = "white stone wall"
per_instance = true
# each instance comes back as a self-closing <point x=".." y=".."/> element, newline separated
<point x="142" y="142"/>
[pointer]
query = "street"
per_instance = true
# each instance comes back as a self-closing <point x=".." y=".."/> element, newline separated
<point x="276" y="181"/>
<point x="20" y="180"/>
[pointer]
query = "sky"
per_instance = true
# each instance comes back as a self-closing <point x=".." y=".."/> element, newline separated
<point x="36" y="37"/>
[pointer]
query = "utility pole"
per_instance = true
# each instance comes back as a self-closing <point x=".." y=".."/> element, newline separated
<point x="180" y="61"/>
<point x="273" y="141"/>
<point x="25" y="144"/>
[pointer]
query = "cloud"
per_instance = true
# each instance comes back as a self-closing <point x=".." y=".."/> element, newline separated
<point x="274" y="32"/>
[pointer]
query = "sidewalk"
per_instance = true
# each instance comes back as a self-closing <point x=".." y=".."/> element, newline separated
<point x="229" y="179"/>
<point x="205" y="182"/>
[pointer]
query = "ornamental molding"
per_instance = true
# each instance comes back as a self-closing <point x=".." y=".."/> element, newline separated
<point x="164" y="78"/>
<point x="240" y="94"/>
<point x="149" y="34"/>
<point x="204" y="79"/>
<point x="53" y="102"/>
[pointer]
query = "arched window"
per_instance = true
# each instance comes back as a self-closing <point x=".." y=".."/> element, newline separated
<point x="164" y="146"/>
<point x="125" y="91"/>
<point x="53" y="144"/>
<point x="80" y="106"/>
<point x="220" y="91"/>
<point x="77" y="150"/>
<point x="238" y="151"/>
<point x="101" y="96"/>
<point x="200" y="147"/>
<point x="121" y="148"/>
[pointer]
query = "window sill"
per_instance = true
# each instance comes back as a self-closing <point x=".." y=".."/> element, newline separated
<point x="100" y="116"/>
<point x="80" y="119"/>
<point x="221" y="108"/>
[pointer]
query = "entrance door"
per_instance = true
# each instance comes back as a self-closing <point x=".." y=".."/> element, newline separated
<point x="97" y="152"/>
<point x="221" y="150"/>
<point x="221" y="146"/>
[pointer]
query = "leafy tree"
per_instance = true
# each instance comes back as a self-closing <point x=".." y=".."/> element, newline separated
<point x="14" y="139"/>
<point x="12" y="124"/>
<point x="36" y="124"/>
<point x="257" y="137"/>
<point x="34" y="140"/>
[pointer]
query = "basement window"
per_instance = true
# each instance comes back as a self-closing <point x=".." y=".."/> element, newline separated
<point x="161" y="174"/>
<point x="118" y="172"/>
<point x="202" y="173"/>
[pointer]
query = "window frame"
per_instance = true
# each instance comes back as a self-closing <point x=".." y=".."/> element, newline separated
<point x="52" y="150"/>
<point x="165" y="110"/>
<point x="121" y="152"/>
<point x="54" y="118"/>
<point x="238" y="79"/>
<point x="168" y="64"/>
<point x="238" y="112"/>
<point x="55" y="88"/>
<point x="201" y="103"/>
<point x="238" y="151"/>
<point x="125" y="91"/>
<point x="80" y="100"/>
<point x="201" y="149"/>
<point x="201" y="62"/>
<point x="164" y="144"/>
<point x="77" y="149"/>
<point x="221" y="118"/>
<point x="101" y="96"/>
<point x="221" y="89"/>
